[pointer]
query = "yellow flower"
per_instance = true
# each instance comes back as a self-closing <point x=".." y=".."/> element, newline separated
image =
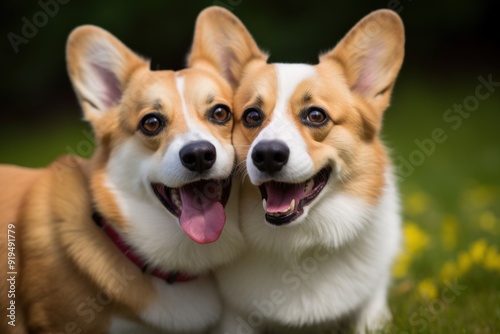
<point x="416" y="203"/>
<point x="448" y="272"/>
<point x="415" y="238"/>
<point x="464" y="262"/>
<point x="449" y="232"/>
<point x="478" y="250"/>
<point x="427" y="289"/>
<point x="400" y="268"/>
<point x="487" y="221"/>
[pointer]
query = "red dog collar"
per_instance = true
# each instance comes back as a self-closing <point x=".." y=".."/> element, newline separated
<point x="170" y="276"/>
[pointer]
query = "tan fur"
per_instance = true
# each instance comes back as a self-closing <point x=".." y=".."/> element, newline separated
<point x="356" y="215"/>
<point x="15" y="183"/>
<point x="62" y="248"/>
<point x="262" y="94"/>
<point x="338" y="87"/>
<point x="214" y="26"/>
<point x="50" y="203"/>
<point x="65" y="259"/>
<point x="12" y="193"/>
<point x="346" y="137"/>
<point x="112" y="128"/>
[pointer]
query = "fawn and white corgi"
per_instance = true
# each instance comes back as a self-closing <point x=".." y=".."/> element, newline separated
<point x="124" y="243"/>
<point x="319" y="206"/>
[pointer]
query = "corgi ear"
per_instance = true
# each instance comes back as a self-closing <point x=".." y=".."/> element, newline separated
<point x="222" y="42"/>
<point x="99" y="67"/>
<point x="372" y="55"/>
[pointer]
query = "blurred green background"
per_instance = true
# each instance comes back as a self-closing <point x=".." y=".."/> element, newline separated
<point x="449" y="44"/>
<point x="450" y="189"/>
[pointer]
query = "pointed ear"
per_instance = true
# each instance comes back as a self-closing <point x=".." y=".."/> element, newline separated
<point x="99" y="67"/>
<point x="222" y="42"/>
<point x="372" y="55"/>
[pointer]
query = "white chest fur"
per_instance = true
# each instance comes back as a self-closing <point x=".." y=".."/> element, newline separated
<point x="187" y="307"/>
<point x="314" y="272"/>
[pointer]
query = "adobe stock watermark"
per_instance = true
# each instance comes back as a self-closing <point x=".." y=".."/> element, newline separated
<point x="396" y="5"/>
<point x="373" y="28"/>
<point x="29" y="29"/>
<point x="204" y="195"/>
<point x="453" y="117"/>
<point x="292" y="280"/>
<point x="84" y="148"/>
<point x="228" y="4"/>
<point x="88" y="309"/>
<point x="431" y="311"/>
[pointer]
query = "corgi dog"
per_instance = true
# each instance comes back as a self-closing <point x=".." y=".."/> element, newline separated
<point x="318" y="205"/>
<point x="125" y="242"/>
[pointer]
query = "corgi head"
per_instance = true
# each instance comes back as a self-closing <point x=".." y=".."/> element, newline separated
<point x="162" y="166"/>
<point x="307" y="132"/>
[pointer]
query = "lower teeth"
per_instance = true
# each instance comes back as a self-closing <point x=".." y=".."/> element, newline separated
<point x="175" y="197"/>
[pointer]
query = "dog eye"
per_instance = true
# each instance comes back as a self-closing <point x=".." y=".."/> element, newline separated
<point x="151" y="124"/>
<point x="252" y="117"/>
<point x="220" y="114"/>
<point x="314" y="116"/>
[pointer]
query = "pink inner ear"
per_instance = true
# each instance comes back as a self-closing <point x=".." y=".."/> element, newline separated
<point x="109" y="85"/>
<point x="228" y="74"/>
<point x="226" y="58"/>
<point x="363" y="84"/>
<point x="369" y="71"/>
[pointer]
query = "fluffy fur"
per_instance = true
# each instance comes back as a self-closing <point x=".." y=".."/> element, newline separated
<point x="330" y="266"/>
<point x="71" y="276"/>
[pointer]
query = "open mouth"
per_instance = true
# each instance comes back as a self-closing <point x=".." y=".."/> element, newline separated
<point x="199" y="207"/>
<point x="285" y="202"/>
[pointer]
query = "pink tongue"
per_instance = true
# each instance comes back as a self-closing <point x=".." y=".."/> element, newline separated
<point x="279" y="196"/>
<point x="202" y="216"/>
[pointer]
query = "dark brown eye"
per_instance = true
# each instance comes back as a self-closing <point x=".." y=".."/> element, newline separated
<point x="252" y="117"/>
<point x="151" y="124"/>
<point x="314" y="116"/>
<point x="220" y="114"/>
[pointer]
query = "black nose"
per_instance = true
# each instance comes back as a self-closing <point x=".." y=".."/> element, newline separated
<point x="198" y="156"/>
<point x="270" y="156"/>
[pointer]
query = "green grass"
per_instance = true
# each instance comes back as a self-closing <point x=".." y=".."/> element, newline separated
<point x="453" y="200"/>
<point x="35" y="143"/>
